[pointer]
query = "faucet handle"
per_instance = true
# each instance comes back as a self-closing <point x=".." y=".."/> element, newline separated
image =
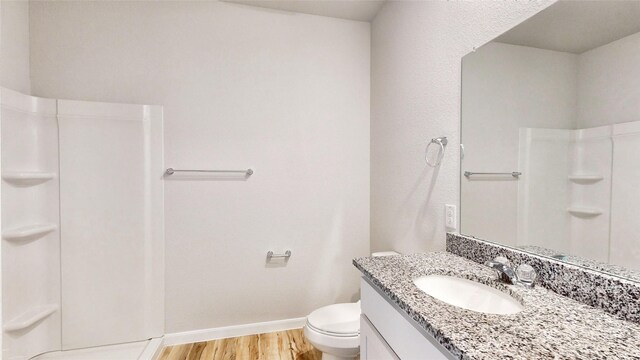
<point x="526" y="275"/>
<point x="503" y="260"/>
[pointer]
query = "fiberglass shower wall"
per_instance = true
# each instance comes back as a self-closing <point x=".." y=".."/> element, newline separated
<point x="31" y="315"/>
<point x="544" y="160"/>
<point x="564" y="192"/>
<point x="82" y="224"/>
<point x="578" y="193"/>
<point x="589" y="187"/>
<point x="625" y="196"/>
<point x="111" y="219"/>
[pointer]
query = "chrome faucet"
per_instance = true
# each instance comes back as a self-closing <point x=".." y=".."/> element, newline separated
<point x="504" y="271"/>
<point x="524" y="275"/>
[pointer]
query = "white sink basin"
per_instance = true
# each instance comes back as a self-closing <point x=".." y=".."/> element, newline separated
<point x="468" y="294"/>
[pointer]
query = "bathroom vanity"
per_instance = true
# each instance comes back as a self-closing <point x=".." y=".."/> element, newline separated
<point x="387" y="333"/>
<point x="401" y="321"/>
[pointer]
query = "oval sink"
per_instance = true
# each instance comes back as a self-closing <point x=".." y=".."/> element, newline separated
<point x="468" y="294"/>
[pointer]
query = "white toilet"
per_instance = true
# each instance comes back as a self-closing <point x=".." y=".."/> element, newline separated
<point x="335" y="329"/>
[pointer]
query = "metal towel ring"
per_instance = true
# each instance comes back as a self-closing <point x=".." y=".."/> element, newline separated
<point x="442" y="142"/>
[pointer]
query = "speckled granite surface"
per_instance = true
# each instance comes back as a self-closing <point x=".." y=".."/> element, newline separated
<point x="612" y="269"/>
<point x="610" y="293"/>
<point x="550" y="327"/>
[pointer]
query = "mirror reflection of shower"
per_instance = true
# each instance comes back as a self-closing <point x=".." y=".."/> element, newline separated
<point x="551" y="133"/>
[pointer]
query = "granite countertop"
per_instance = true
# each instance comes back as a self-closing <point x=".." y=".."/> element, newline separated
<point x="550" y="326"/>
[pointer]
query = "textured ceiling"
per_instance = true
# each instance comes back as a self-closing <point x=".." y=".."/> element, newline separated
<point x="576" y="26"/>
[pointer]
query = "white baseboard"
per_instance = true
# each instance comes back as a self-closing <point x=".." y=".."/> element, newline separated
<point x="153" y="350"/>
<point x="232" y="331"/>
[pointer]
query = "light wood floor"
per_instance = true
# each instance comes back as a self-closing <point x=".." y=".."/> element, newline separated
<point x="285" y="345"/>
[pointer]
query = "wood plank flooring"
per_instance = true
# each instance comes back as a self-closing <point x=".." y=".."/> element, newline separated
<point x="284" y="345"/>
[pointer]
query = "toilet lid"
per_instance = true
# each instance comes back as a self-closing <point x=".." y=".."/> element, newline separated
<point x="338" y="319"/>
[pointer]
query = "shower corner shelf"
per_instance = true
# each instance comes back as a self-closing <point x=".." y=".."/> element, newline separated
<point x="585" y="178"/>
<point x="30" y="317"/>
<point x="584" y="211"/>
<point x="27" y="177"/>
<point x="29" y="230"/>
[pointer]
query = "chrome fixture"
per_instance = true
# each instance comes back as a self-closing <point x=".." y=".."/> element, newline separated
<point x="271" y="255"/>
<point x="524" y="275"/>
<point x="504" y="271"/>
<point x="515" y="174"/>
<point x="440" y="141"/>
<point x="248" y="172"/>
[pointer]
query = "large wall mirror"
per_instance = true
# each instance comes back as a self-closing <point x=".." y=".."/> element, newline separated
<point x="551" y="136"/>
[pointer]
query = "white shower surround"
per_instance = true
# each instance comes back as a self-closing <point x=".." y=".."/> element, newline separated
<point x="112" y="218"/>
<point x="93" y="171"/>
<point x="578" y="192"/>
<point x="30" y="226"/>
<point x="625" y="196"/>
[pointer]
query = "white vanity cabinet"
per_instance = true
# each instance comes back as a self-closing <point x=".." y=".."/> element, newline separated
<point x="372" y="345"/>
<point x="387" y="333"/>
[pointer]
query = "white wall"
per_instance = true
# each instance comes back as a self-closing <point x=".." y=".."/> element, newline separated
<point x="505" y="88"/>
<point x="286" y="94"/>
<point x="608" y="78"/>
<point x="14" y="45"/>
<point x="415" y="95"/>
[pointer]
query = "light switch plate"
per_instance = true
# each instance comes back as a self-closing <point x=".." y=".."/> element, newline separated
<point x="450" y="217"/>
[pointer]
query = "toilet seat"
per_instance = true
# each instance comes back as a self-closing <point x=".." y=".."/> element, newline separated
<point x="340" y="320"/>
